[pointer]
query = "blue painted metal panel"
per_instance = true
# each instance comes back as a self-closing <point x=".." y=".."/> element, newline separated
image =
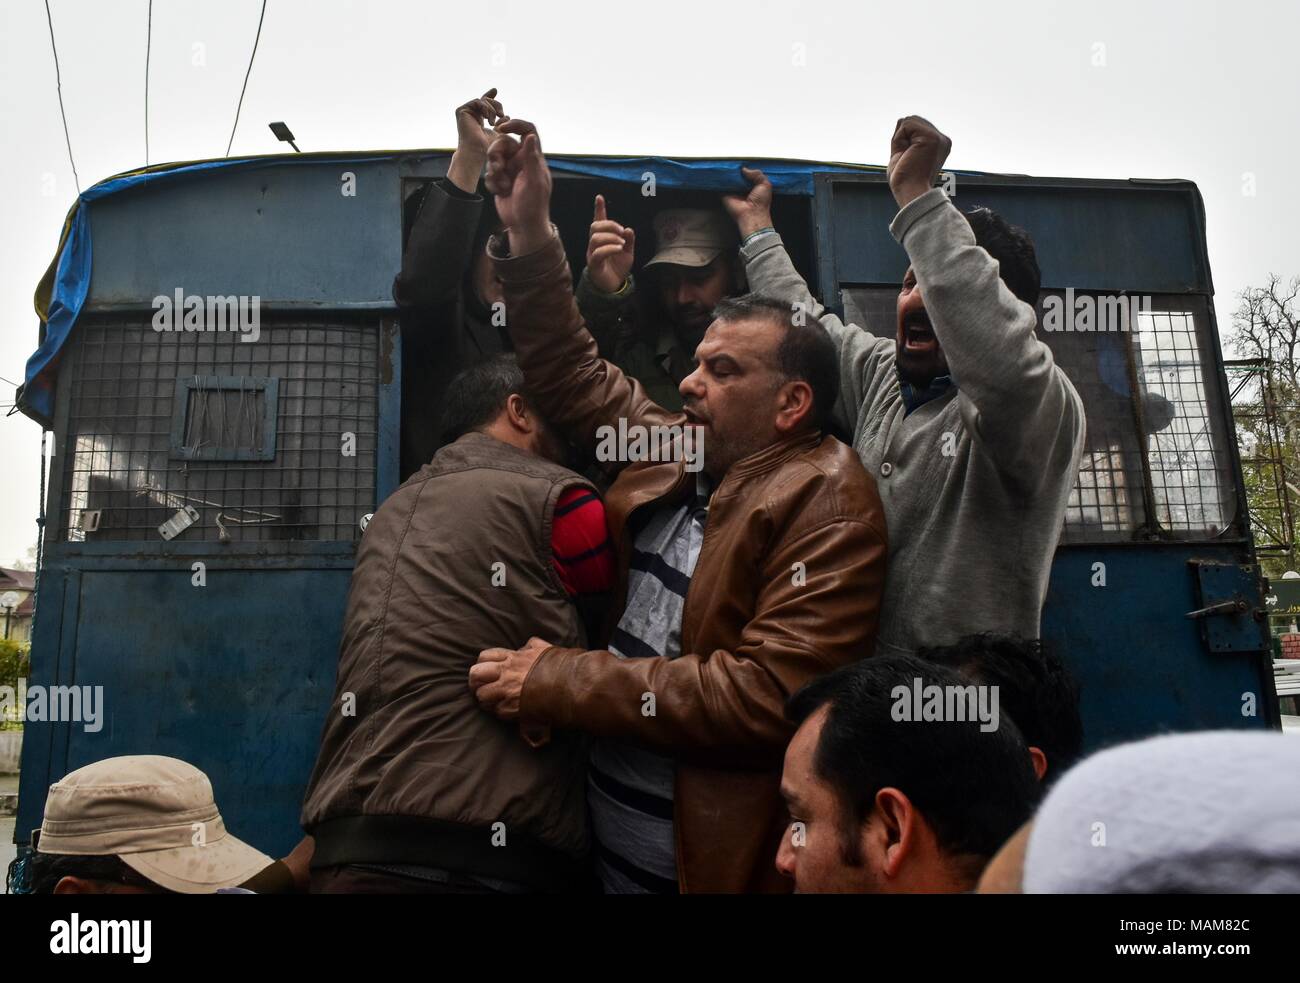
<point x="47" y="631"/>
<point x="284" y="233"/>
<point x="1230" y="615"/>
<point x="233" y="677"/>
<point x="1118" y="236"/>
<point x="1141" y="662"/>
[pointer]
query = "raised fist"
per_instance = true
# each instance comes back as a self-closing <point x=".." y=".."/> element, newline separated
<point x="916" y="154"/>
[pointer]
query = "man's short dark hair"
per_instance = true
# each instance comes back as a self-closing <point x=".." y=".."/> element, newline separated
<point x="805" y="354"/>
<point x="478" y="394"/>
<point x="975" y="788"/>
<point x="1013" y="248"/>
<point x="1034" y="687"/>
<point x="40" y="873"/>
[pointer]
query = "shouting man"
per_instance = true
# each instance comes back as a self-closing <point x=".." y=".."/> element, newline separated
<point x="971" y="429"/>
<point x="737" y="583"/>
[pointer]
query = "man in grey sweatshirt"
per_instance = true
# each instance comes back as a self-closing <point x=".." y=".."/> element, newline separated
<point x="971" y="430"/>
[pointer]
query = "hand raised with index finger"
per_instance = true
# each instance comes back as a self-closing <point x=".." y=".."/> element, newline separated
<point x="610" y="251"/>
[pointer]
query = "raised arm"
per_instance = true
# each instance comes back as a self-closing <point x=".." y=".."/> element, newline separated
<point x="575" y="387"/>
<point x="1013" y="396"/>
<point x="437" y="252"/>
<point x="771" y="273"/>
<point x="438" y="248"/>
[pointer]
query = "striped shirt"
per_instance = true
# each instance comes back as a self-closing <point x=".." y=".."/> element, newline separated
<point x="630" y="789"/>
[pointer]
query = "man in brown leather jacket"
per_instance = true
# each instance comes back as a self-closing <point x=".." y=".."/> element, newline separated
<point x="736" y="585"/>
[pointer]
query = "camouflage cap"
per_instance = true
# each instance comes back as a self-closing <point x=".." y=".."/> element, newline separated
<point x="692" y="236"/>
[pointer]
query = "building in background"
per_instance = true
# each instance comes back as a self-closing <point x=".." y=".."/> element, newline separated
<point x="18" y="586"/>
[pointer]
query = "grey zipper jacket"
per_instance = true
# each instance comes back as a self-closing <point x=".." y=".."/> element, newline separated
<point x="975" y="482"/>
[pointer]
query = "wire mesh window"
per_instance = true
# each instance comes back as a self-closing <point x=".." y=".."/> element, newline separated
<point x="1188" y="460"/>
<point x="1191" y="491"/>
<point x="267" y="440"/>
<point x="1106" y="503"/>
<point x="225" y="418"/>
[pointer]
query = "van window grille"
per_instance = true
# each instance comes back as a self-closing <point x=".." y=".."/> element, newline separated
<point x="254" y="436"/>
<point x="1191" y="490"/>
<point x="1186" y="460"/>
<point x="224" y="418"/>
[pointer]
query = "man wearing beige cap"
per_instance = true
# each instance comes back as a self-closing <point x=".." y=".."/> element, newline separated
<point x="138" y="824"/>
<point x="695" y="266"/>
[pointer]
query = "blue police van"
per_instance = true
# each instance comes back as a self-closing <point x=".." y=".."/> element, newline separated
<point x="207" y="491"/>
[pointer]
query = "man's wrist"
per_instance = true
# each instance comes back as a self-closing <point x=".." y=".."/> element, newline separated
<point x="757" y="223"/>
<point x="905" y="194"/>
<point x="620" y="291"/>
<point x="465" y="169"/>
<point x="525" y="239"/>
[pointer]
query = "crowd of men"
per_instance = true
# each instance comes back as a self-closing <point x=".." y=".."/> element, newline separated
<point x="740" y="670"/>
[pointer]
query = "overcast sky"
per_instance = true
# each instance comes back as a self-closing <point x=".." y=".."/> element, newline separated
<point x="1199" y="90"/>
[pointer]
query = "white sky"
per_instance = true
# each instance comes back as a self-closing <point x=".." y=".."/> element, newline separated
<point x="1199" y="90"/>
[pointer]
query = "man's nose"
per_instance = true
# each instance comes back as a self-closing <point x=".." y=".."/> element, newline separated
<point x="785" y="856"/>
<point x="692" y="387"/>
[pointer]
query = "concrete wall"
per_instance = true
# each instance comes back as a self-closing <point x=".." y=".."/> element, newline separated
<point x="11" y="751"/>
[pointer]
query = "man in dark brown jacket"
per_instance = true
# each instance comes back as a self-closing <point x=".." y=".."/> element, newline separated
<point x="446" y="289"/>
<point x="736" y="584"/>
<point x="415" y="790"/>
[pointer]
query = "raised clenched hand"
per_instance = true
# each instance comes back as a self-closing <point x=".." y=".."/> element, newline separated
<point x="916" y="153"/>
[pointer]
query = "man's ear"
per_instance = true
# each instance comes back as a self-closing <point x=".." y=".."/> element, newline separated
<point x="794" y="406"/>
<point x="519" y="414"/>
<point x="898" y="817"/>
<point x="75" y="885"/>
<point x="1039" y="760"/>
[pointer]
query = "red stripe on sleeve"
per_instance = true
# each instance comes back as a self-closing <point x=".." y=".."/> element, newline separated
<point x="580" y="546"/>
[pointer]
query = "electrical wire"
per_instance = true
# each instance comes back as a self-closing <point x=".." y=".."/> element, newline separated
<point x="148" y="45"/>
<point x="40" y="530"/>
<point x="58" y="81"/>
<point x="246" y="74"/>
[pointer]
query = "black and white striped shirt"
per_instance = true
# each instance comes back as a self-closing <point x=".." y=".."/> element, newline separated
<point x="630" y="789"/>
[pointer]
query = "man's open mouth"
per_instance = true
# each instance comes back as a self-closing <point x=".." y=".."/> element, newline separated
<point x="918" y="337"/>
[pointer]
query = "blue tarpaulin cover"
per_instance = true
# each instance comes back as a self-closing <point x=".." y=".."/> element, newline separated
<point x="62" y="291"/>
